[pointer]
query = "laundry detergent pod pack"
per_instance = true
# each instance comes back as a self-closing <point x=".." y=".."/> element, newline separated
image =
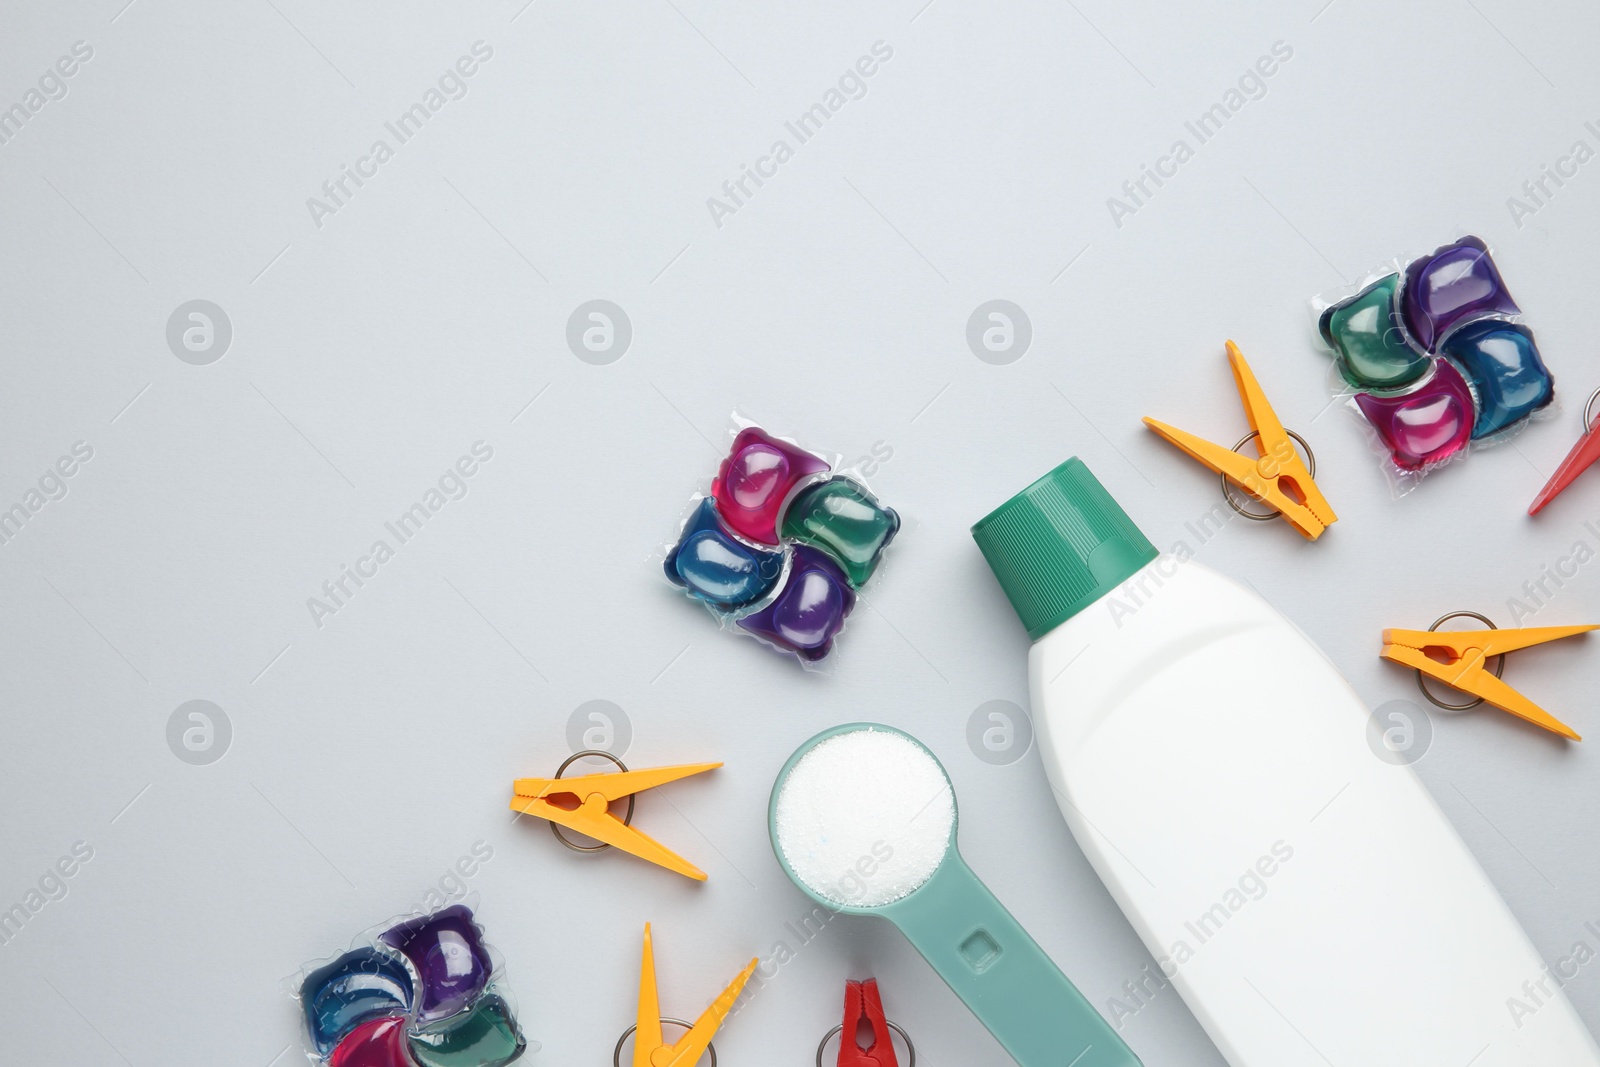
<point x="423" y="991"/>
<point x="782" y="541"/>
<point x="1433" y="357"/>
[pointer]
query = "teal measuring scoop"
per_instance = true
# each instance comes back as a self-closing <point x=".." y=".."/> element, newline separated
<point x="981" y="952"/>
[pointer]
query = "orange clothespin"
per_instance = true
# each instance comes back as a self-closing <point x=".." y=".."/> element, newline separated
<point x="1466" y="653"/>
<point x="649" y="1047"/>
<point x="1278" y="477"/>
<point x="583" y="804"/>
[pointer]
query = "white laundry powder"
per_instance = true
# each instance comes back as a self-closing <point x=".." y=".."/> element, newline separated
<point x="865" y="817"/>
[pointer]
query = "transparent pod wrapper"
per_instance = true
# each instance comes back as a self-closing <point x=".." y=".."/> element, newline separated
<point x="423" y="990"/>
<point x="1432" y="356"/>
<point x="781" y="543"/>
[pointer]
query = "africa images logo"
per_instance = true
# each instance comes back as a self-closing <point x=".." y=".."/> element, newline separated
<point x="851" y="85"/>
<point x="452" y="85"/>
<point x="1251" y="85"/>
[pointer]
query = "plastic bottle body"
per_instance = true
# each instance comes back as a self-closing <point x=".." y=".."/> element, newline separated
<point x="1309" y="901"/>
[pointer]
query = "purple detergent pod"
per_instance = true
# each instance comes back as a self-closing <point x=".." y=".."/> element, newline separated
<point x="1458" y="283"/>
<point x="782" y="541"/>
<point x="809" y="610"/>
<point x="446" y="951"/>
<point x="1434" y="358"/>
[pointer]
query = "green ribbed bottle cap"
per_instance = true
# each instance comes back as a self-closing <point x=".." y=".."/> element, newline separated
<point x="1060" y="545"/>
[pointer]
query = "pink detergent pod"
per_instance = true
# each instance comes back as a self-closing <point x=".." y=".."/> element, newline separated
<point x="379" y="1043"/>
<point x="755" y="482"/>
<point x="1426" y="426"/>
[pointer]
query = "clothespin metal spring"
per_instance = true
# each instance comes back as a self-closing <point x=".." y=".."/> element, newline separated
<point x="1499" y="665"/>
<point x="838" y="1031"/>
<point x="616" y="1053"/>
<point x="1227" y="486"/>
<point x="626" y="819"/>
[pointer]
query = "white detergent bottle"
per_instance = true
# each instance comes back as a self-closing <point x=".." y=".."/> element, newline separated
<point x="1310" y="901"/>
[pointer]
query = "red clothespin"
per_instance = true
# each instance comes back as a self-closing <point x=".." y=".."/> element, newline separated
<point x="1581" y="458"/>
<point x="861" y="998"/>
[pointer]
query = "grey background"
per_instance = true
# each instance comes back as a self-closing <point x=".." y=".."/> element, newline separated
<point x="430" y="312"/>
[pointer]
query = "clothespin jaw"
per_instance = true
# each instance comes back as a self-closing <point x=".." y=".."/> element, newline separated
<point x="861" y="999"/>
<point x="1581" y="458"/>
<point x="649" y="1047"/>
<point x="582" y="804"/>
<point x="692" y="1045"/>
<point x="647" y="1036"/>
<point x="611" y="786"/>
<point x="1278" y="478"/>
<point x="1466" y="654"/>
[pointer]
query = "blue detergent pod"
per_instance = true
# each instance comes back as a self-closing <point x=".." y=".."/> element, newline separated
<point x="1502" y="365"/>
<point x="362" y="984"/>
<point x="717" y="567"/>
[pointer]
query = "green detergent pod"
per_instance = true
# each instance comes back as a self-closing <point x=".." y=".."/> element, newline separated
<point x="1365" y="332"/>
<point x="845" y="521"/>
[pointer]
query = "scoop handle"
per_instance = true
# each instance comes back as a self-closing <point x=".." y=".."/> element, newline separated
<point x="1002" y="974"/>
